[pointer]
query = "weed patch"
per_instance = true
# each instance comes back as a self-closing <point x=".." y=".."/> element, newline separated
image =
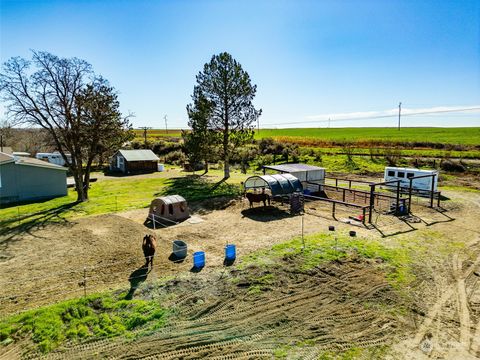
<point x="321" y="248"/>
<point x="91" y="317"/>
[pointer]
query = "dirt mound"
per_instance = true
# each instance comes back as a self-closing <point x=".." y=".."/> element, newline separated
<point x="49" y="264"/>
<point x="255" y="312"/>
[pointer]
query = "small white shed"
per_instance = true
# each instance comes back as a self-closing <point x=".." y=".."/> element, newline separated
<point x="310" y="176"/>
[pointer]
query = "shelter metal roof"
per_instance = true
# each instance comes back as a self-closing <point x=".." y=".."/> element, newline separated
<point x="171" y="199"/>
<point x="279" y="184"/>
<point x="288" y="168"/>
<point x="139" y="155"/>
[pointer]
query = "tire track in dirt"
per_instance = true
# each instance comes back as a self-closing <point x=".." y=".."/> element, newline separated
<point x="323" y="306"/>
<point x="457" y="291"/>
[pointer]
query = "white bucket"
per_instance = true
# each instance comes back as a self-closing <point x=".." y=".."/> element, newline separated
<point x="161" y="167"/>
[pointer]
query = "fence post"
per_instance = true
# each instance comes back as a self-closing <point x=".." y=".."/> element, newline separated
<point x="85" y="281"/>
<point x="397" y="204"/>
<point x="303" y="239"/>
<point x="410" y="197"/>
<point x="372" y="203"/>
<point x="432" y="189"/>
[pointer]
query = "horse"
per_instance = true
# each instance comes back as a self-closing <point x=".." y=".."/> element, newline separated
<point x="149" y="245"/>
<point x="262" y="197"/>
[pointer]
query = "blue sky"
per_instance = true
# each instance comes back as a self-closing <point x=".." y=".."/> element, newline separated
<point x="311" y="60"/>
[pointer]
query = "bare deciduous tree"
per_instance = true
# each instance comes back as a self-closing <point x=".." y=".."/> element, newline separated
<point x="57" y="96"/>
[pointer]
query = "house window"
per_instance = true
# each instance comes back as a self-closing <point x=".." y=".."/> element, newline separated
<point x="170" y="209"/>
<point x="163" y="209"/>
<point x="391" y="173"/>
<point x="400" y="174"/>
<point x="410" y="175"/>
<point x="182" y="207"/>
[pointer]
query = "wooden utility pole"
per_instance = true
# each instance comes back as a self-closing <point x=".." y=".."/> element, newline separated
<point x="399" y="113"/>
<point x="166" y="127"/>
<point x="145" y="128"/>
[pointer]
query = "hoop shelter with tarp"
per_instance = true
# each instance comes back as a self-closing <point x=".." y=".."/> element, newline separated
<point x="173" y="208"/>
<point x="280" y="185"/>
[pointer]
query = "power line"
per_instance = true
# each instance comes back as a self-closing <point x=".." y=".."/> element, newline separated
<point x="373" y="117"/>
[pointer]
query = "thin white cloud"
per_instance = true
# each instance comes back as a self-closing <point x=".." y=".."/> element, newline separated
<point x="392" y="112"/>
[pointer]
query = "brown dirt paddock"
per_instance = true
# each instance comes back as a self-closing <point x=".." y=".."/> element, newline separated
<point x="47" y="265"/>
<point x="335" y="307"/>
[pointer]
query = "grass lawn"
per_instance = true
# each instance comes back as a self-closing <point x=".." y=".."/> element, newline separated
<point x="118" y="194"/>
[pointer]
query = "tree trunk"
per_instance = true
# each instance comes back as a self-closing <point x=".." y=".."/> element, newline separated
<point x="226" y="168"/>
<point x="226" y="157"/>
<point x="206" y="166"/>
<point x="86" y="179"/>
<point x="77" y="169"/>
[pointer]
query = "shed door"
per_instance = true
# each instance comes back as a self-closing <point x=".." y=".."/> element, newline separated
<point x="120" y="162"/>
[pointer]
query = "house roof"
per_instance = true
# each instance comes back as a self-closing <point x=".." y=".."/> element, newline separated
<point x="6" y="158"/>
<point x="288" y="168"/>
<point x="28" y="161"/>
<point x="139" y="155"/>
<point x="6" y="150"/>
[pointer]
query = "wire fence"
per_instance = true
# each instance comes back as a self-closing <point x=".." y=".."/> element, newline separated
<point x="15" y="216"/>
<point x="90" y="277"/>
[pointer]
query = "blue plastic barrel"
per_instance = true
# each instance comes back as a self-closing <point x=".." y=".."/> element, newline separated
<point x="199" y="259"/>
<point x="230" y="252"/>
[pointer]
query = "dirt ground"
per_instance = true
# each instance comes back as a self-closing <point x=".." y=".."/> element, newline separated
<point x="107" y="249"/>
<point x="332" y="307"/>
<point x="49" y="264"/>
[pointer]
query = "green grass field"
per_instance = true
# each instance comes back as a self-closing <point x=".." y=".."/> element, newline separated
<point x="462" y="136"/>
<point x="317" y="136"/>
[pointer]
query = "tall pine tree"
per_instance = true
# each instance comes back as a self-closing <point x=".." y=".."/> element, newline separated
<point x="228" y="91"/>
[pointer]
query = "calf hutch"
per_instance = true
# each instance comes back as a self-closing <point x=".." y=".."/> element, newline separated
<point x="134" y="161"/>
<point x="311" y="177"/>
<point x="171" y="209"/>
<point x="27" y="179"/>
